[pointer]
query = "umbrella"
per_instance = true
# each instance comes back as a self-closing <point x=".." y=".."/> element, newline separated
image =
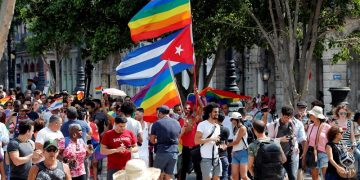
<point x="114" y="92"/>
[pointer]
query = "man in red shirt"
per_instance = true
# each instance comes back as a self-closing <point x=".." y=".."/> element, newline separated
<point x="118" y="144"/>
<point x="188" y="132"/>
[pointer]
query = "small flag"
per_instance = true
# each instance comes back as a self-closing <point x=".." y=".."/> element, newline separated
<point x="80" y="95"/>
<point x="4" y="100"/>
<point x="57" y="104"/>
<point x="98" y="90"/>
<point x="181" y="48"/>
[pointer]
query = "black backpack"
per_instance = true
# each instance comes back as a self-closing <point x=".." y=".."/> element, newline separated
<point x="267" y="164"/>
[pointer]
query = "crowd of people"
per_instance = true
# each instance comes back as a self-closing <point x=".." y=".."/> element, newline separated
<point x="72" y="141"/>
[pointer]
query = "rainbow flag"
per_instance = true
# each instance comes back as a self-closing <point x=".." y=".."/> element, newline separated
<point x="159" y="17"/>
<point x="57" y="104"/>
<point x="4" y="100"/>
<point x="161" y="91"/>
<point x="98" y="90"/>
<point x="221" y="96"/>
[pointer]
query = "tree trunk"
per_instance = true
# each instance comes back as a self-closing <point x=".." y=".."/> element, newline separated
<point x="6" y="15"/>
<point x="220" y="51"/>
<point x="57" y="72"/>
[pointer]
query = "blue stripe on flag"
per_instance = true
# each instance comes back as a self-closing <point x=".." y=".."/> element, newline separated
<point x="140" y="65"/>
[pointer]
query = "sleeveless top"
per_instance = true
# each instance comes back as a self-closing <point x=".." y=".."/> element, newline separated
<point x="50" y="174"/>
<point x="346" y="135"/>
<point x="243" y="141"/>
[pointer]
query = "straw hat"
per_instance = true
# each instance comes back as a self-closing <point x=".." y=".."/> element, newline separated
<point x="136" y="169"/>
<point x="317" y="111"/>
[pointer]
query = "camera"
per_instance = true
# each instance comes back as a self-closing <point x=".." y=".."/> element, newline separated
<point x="220" y="142"/>
<point x="290" y="137"/>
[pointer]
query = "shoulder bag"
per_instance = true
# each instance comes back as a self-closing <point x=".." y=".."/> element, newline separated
<point x="195" y="152"/>
<point x="311" y="153"/>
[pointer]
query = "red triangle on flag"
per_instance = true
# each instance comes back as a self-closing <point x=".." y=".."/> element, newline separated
<point x="181" y="48"/>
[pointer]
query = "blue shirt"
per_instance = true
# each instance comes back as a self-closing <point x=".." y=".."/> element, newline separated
<point x="84" y="128"/>
<point x="167" y="131"/>
<point x="259" y="116"/>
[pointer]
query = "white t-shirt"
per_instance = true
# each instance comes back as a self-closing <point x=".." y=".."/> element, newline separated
<point x="227" y="123"/>
<point x="46" y="134"/>
<point x="133" y="125"/>
<point x="205" y="127"/>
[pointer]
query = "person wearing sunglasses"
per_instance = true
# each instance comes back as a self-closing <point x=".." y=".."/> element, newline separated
<point x="334" y="135"/>
<point x="343" y="119"/>
<point x="316" y="142"/>
<point x="74" y="152"/>
<point x="51" y="168"/>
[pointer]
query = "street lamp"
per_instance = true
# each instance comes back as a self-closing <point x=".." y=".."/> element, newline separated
<point x="88" y="74"/>
<point x="265" y="75"/>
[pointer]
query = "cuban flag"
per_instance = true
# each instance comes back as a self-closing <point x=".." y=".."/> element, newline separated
<point x="142" y="64"/>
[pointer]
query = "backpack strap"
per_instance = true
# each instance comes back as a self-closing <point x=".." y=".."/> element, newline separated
<point x="308" y="137"/>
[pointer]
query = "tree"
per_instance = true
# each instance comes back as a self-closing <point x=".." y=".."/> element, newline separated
<point x="6" y="15"/>
<point x="98" y="28"/>
<point x="296" y="30"/>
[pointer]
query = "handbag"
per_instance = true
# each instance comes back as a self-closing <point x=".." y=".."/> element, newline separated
<point x="195" y="152"/>
<point x="350" y="172"/>
<point x="311" y="153"/>
<point x="347" y="161"/>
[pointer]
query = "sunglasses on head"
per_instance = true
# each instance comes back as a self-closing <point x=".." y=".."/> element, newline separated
<point x="51" y="149"/>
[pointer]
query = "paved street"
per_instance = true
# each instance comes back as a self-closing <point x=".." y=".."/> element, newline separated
<point x="190" y="177"/>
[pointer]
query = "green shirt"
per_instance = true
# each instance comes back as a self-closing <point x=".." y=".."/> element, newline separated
<point x="254" y="146"/>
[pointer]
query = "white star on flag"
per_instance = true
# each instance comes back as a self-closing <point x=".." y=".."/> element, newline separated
<point x="178" y="50"/>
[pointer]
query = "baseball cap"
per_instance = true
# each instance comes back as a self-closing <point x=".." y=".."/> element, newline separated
<point x="235" y="115"/>
<point x="301" y="104"/>
<point x="163" y="109"/>
<point x="50" y="143"/>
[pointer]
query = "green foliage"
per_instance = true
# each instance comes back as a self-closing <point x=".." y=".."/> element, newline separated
<point x="98" y="26"/>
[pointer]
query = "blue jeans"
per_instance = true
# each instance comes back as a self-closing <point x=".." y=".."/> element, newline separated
<point x="291" y="166"/>
<point x="225" y="167"/>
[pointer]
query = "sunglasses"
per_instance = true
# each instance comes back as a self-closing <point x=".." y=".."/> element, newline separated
<point x="51" y="150"/>
<point x="343" y="113"/>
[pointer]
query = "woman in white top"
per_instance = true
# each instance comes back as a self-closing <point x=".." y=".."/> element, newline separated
<point x="239" y="162"/>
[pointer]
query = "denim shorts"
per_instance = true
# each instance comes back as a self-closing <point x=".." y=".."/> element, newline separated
<point x="322" y="160"/>
<point x="240" y="157"/>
